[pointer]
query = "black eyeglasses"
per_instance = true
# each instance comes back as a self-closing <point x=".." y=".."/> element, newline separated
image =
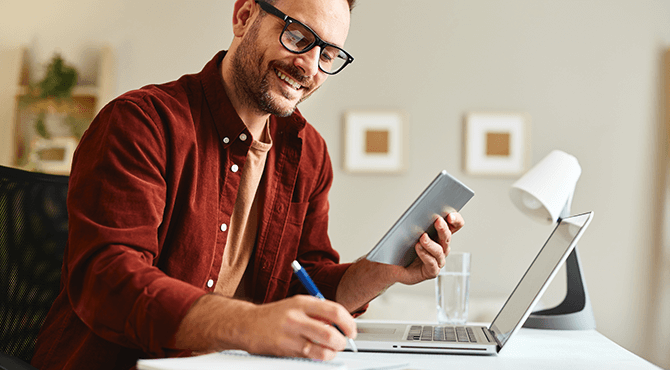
<point x="298" y="38"/>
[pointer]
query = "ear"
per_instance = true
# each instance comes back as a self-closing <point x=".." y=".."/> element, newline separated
<point x="244" y="13"/>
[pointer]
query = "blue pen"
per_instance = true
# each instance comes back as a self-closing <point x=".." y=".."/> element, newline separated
<point x="314" y="291"/>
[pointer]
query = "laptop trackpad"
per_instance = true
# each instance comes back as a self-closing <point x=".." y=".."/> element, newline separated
<point x="376" y="331"/>
<point x="380" y="331"/>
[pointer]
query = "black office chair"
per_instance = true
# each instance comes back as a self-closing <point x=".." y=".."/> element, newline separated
<point x="33" y="233"/>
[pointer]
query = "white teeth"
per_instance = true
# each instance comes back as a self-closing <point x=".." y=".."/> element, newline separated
<point x="289" y="80"/>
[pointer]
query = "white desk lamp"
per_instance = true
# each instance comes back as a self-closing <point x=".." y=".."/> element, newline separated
<point x="545" y="193"/>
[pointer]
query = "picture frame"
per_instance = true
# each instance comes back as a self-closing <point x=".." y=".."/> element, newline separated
<point x="374" y="142"/>
<point x="53" y="155"/>
<point x="495" y="143"/>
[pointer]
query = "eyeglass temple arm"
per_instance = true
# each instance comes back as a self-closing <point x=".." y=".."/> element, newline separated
<point x="272" y="10"/>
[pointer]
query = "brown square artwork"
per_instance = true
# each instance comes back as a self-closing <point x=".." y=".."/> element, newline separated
<point x="498" y="144"/>
<point x="377" y="141"/>
<point x="51" y="154"/>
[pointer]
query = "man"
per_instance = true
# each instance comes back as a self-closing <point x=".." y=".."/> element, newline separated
<point x="188" y="202"/>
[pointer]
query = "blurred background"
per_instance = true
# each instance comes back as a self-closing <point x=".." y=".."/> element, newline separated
<point x="588" y="74"/>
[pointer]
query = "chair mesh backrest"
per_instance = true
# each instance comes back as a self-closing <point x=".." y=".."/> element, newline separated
<point x="33" y="233"/>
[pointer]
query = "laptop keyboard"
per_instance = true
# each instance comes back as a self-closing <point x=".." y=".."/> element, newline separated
<point x="442" y="333"/>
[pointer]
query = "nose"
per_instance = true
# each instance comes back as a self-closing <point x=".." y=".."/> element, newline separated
<point x="309" y="62"/>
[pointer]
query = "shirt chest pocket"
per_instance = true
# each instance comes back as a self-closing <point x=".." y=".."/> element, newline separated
<point x="293" y="228"/>
<point x="297" y="213"/>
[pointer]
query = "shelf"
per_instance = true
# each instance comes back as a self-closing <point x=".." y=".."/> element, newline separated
<point x="27" y="138"/>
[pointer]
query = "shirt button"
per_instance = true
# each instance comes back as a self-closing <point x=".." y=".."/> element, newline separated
<point x="234" y="168"/>
<point x="224" y="227"/>
<point x="226" y="140"/>
<point x="210" y="283"/>
<point x="243" y="137"/>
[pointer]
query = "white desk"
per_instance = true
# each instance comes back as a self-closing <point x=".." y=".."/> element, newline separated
<point x="529" y="349"/>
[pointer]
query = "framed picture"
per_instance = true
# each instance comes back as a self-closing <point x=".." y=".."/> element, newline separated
<point x="374" y="142"/>
<point x="496" y="143"/>
<point x="53" y="155"/>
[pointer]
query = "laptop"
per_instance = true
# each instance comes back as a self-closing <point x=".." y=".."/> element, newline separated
<point x="390" y="337"/>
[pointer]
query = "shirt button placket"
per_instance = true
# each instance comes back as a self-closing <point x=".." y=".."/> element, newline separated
<point x="233" y="168"/>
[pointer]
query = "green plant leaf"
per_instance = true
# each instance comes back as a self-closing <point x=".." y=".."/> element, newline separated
<point x="59" y="80"/>
<point x="41" y="127"/>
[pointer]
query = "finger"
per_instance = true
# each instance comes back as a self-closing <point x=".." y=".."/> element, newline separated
<point x="455" y="221"/>
<point x="325" y="335"/>
<point x="333" y="313"/>
<point x="316" y="351"/>
<point x="306" y="345"/>
<point x="295" y="347"/>
<point x="318" y="327"/>
<point x="443" y="232"/>
<point x="431" y="264"/>
<point x="306" y="349"/>
<point x="291" y="336"/>
<point x="434" y="249"/>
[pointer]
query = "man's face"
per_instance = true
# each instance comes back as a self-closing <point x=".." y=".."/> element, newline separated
<point x="270" y="78"/>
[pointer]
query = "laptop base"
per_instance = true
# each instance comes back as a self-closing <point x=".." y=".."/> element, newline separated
<point x="409" y="338"/>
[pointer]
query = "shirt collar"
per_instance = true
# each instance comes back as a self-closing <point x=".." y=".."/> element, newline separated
<point x="228" y="122"/>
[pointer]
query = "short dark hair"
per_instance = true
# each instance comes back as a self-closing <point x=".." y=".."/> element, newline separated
<point x="352" y="3"/>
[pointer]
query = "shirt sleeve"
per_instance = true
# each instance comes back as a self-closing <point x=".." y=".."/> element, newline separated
<point x="116" y="202"/>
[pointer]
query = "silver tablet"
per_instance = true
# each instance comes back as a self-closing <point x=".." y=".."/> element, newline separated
<point x="444" y="195"/>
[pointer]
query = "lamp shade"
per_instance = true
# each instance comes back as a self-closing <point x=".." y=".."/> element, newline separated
<point x="547" y="188"/>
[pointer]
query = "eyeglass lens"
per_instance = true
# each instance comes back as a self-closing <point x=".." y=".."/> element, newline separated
<point x="297" y="38"/>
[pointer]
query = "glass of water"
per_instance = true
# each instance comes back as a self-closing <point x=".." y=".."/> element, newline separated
<point x="452" y="289"/>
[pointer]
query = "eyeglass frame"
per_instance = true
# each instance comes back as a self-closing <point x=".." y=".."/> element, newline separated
<point x="270" y="9"/>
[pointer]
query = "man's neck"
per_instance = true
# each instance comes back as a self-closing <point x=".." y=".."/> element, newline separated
<point x="255" y="126"/>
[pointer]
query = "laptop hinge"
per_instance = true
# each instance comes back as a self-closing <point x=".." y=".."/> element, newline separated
<point x="490" y="335"/>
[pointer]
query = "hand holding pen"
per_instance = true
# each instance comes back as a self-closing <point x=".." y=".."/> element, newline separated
<point x="314" y="291"/>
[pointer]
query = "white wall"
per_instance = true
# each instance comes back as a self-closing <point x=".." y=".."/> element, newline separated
<point x="587" y="72"/>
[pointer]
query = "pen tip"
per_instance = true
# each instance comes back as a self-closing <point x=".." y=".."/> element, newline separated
<point x="353" y="345"/>
<point x="296" y="266"/>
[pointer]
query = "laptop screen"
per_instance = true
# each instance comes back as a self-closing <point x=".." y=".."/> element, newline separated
<point x="538" y="276"/>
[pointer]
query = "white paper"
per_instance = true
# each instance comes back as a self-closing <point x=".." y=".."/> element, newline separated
<point x="243" y="360"/>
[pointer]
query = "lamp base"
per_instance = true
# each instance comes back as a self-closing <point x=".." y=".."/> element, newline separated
<point x="569" y="321"/>
<point x="575" y="312"/>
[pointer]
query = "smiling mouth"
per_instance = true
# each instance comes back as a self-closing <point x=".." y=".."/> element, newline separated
<point x="288" y="80"/>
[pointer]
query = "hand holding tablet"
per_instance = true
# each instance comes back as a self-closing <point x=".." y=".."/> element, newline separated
<point x="445" y="194"/>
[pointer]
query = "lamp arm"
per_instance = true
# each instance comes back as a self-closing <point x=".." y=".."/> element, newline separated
<point x="575" y="312"/>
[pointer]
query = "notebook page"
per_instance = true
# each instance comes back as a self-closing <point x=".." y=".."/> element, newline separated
<point x="243" y="360"/>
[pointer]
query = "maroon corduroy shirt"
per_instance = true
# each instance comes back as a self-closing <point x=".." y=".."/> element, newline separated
<point x="153" y="180"/>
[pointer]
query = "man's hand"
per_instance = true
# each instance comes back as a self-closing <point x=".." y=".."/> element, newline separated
<point x="365" y="280"/>
<point x="299" y="326"/>
<point x="432" y="253"/>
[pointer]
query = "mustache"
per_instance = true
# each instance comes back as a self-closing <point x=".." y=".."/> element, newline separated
<point x="293" y="72"/>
